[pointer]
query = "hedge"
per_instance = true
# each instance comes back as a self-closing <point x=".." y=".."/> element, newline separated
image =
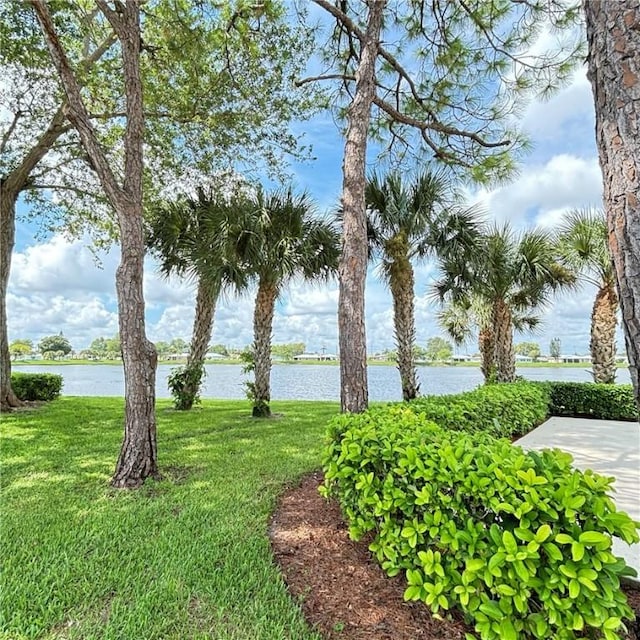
<point x="502" y="410"/>
<point x="36" y="386"/>
<point x="519" y="542"/>
<point x="591" y="400"/>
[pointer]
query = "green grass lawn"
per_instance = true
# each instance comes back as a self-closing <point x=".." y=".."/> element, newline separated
<point x="182" y="558"/>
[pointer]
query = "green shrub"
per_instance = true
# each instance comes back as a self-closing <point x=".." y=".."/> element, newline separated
<point x="520" y="542"/>
<point x="587" y="399"/>
<point x="36" y="386"/>
<point x="184" y="385"/>
<point x="503" y="410"/>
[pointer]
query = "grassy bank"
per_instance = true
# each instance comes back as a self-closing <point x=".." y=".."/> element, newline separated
<point x="186" y="557"/>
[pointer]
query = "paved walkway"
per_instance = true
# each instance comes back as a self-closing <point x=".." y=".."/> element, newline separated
<point x="609" y="448"/>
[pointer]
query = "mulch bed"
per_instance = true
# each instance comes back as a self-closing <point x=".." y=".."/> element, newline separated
<point x="342" y="590"/>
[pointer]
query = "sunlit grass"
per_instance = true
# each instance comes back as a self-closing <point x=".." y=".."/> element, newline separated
<point x="185" y="557"/>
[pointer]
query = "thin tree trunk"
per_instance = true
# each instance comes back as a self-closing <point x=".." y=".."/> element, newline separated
<point x="8" y="398"/>
<point x="138" y="455"/>
<point x="352" y="270"/>
<point x="401" y="283"/>
<point x="505" y="358"/>
<point x="262" y="328"/>
<point x="206" y="300"/>
<point x="614" y="71"/>
<point x="603" y="334"/>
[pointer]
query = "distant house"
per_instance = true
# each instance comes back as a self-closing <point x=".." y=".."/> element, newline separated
<point x="459" y="357"/>
<point x="315" y="356"/>
<point x="575" y="359"/>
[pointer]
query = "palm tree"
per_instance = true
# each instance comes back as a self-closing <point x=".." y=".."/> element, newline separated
<point x="515" y="275"/>
<point x="287" y="240"/>
<point x="199" y="238"/>
<point x="460" y="318"/>
<point x="409" y="222"/>
<point x="583" y="245"/>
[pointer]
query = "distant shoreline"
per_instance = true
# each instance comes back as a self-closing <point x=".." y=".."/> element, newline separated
<point x="383" y="363"/>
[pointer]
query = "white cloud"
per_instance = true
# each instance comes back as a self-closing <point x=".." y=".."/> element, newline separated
<point x="543" y="192"/>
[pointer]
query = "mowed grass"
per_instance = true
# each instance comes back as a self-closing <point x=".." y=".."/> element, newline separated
<point x="184" y="557"/>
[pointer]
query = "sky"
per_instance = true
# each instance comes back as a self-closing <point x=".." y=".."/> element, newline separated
<point x="56" y="284"/>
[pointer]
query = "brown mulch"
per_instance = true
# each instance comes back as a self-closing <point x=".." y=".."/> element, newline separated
<point x="342" y="590"/>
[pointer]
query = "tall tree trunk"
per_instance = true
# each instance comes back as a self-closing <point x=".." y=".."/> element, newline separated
<point x="487" y="347"/>
<point x="401" y="283"/>
<point x="8" y="398"/>
<point x="603" y="334"/>
<point x="206" y="300"/>
<point x="505" y="358"/>
<point x="352" y="270"/>
<point x="262" y="327"/>
<point x="138" y="455"/>
<point x="614" y="71"/>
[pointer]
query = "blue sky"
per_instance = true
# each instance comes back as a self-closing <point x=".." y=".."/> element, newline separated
<point x="56" y="286"/>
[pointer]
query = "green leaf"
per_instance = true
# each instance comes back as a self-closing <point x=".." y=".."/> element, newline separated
<point x="509" y="542"/>
<point x="577" y="551"/>
<point x="543" y="532"/>
<point x="563" y="538"/>
<point x="574" y="589"/>
<point x="507" y="630"/>
<point x="594" y="538"/>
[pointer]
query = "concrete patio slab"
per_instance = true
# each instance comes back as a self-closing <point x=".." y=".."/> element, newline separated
<point x="608" y="447"/>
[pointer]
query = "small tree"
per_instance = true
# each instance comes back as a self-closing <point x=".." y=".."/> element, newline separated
<point x="438" y="349"/>
<point x="20" y="348"/>
<point x="56" y="343"/>
<point x="528" y="349"/>
<point x="555" y="348"/>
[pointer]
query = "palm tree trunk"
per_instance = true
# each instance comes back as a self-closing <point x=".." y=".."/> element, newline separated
<point x="614" y="72"/>
<point x="354" y="392"/>
<point x="603" y="334"/>
<point x="487" y="347"/>
<point x="401" y="283"/>
<point x="505" y="358"/>
<point x="206" y="300"/>
<point x="262" y="327"/>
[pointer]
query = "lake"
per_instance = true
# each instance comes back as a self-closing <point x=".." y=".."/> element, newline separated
<point x="298" y="382"/>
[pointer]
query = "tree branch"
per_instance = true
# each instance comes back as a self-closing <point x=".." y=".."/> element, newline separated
<point x="77" y="112"/>
<point x="7" y="134"/>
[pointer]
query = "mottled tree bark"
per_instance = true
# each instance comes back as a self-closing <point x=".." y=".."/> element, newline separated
<point x="614" y="71"/>
<point x="262" y="328"/>
<point x="603" y="335"/>
<point x="401" y="283"/>
<point x="138" y="455"/>
<point x="352" y="271"/>
<point x="505" y="359"/>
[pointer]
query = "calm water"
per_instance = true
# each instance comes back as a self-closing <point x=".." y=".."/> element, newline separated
<point x="299" y="382"/>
